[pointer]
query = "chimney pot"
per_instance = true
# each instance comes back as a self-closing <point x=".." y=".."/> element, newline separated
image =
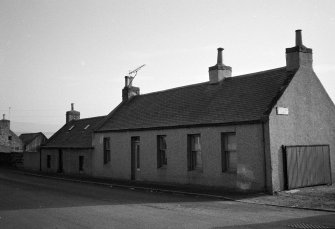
<point x="3" y="116"/>
<point x="126" y="81"/>
<point x="72" y="106"/>
<point x="219" y="60"/>
<point x="298" y="38"/>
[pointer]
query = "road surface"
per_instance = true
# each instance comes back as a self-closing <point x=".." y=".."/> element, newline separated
<point x="36" y="202"/>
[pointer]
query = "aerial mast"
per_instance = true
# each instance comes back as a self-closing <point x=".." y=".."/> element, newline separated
<point x="133" y="73"/>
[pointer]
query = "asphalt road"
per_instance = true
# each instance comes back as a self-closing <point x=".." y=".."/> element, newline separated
<point x="35" y="202"/>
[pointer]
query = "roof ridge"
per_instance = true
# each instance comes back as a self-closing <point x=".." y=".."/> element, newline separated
<point x="84" y="119"/>
<point x="259" y="72"/>
<point x="206" y="82"/>
<point x="175" y="88"/>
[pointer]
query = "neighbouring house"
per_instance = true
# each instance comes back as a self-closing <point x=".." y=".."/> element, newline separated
<point x="69" y="150"/>
<point x="11" y="145"/>
<point x="265" y="131"/>
<point x="31" y="149"/>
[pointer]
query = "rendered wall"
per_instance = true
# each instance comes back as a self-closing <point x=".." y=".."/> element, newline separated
<point x="31" y="160"/>
<point x="70" y="160"/>
<point x="311" y="120"/>
<point x="250" y="171"/>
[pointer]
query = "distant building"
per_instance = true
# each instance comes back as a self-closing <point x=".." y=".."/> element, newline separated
<point x="10" y="143"/>
<point x="31" y="149"/>
<point x="70" y="149"/>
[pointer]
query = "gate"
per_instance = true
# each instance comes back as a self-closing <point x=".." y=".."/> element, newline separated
<point x="306" y="165"/>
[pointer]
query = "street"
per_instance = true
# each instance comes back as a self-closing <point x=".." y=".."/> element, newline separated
<point x="36" y="202"/>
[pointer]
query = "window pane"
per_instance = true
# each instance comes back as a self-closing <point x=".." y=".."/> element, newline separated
<point x="198" y="160"/>
<point x="162" y="143"/>
<point x="232" y="161"/>
<point x="231" y="142"/>
<point x="195" y="141"/>
<point x="137" y="156"/>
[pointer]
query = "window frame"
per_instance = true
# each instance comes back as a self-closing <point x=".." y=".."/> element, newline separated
<point x="192" y="154"/>
<point x="225" y="153"/>
<point x="106" y="150"/>
<point x="161" y="152"/>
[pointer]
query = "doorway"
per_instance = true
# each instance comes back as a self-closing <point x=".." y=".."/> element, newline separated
<point x="135" y="157"/>
<point x="60" y="161"/>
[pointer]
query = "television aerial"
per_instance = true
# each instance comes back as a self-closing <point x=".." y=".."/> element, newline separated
<point x="133" y="73"/>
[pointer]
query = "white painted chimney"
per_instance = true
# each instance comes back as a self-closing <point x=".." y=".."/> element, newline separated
<point x="219" y="72"/>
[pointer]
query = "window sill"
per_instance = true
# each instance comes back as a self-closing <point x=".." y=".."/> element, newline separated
<point x="197" y="170"/>
<point x="230" y="172"/>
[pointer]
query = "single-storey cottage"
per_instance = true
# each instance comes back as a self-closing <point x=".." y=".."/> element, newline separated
<point x="70" y="149"/>
<point x="32" y="149"/>
<point x="269" y="130"/>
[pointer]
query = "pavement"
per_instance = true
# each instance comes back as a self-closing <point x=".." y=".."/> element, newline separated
<point x="28" y="201"/>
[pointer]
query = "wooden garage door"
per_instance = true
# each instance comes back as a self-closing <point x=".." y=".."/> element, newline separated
<point x="306" y="166"/>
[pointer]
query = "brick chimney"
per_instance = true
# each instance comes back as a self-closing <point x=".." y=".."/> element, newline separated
<point x="219" y="71"/>
<point x="72" y="114"/>
<point x="4" y="123"/>
<point x="299" y="55"/>
<point x="129" y="90"/>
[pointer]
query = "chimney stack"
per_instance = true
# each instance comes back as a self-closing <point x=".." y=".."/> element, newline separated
<point x="72" y="114"/>
<point x="4" y="123"/>
<point x="299" y="55"/>
<point x="129" y="91"/>
<point x="219" y="72"/>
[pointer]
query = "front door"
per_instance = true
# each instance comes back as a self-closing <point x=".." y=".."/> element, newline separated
<point x="60" y="161"/>
<point x="135" y="157"/>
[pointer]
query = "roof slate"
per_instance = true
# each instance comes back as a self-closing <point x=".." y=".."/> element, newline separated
<point x="77" y="137"/>
<point x="237" y="99"/>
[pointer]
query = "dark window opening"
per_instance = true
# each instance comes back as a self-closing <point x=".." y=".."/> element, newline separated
<point x="228" y="152"/>
<point x="81" y="163"/>
<point x="48" y="161"/>
<point x="107" y="157"/>
<point x="194" y="152"/>
<point x="161" y="151"/>
<point x="9" y="138"/>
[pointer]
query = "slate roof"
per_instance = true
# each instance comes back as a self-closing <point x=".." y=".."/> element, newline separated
<point x="74" y="135"/>
<point x="244" y="98"/>
<point x="29" y="137"/>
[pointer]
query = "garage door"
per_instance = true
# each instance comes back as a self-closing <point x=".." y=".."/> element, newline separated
<point x="306" y="165"/>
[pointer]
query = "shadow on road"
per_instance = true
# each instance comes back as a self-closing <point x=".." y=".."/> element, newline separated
<point x="19" y="191"/>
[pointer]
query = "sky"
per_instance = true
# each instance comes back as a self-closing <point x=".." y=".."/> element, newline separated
<point x="57" y="52"/>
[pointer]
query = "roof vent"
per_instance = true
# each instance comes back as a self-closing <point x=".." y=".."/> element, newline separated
<point x="71" y="127"/>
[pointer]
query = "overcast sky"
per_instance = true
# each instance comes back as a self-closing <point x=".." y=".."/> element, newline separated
<point x="54" y="52"/>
